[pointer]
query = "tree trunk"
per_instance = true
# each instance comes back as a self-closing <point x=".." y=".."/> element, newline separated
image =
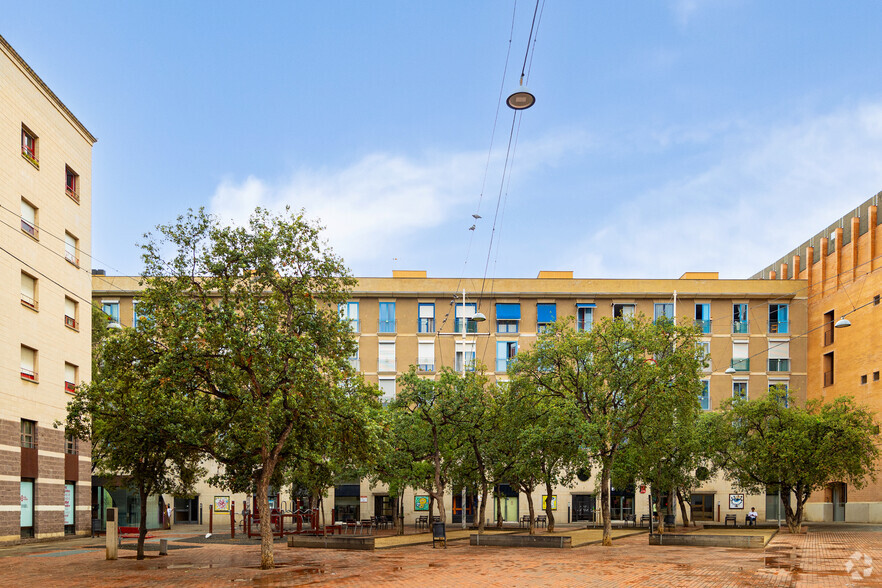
<point x="266" y="527"/>
<point x="142" y="528"/>
<point x="498" y="498"/>
<point x="532" y="511"/>
<point x="548" y="512"/>
<point x="793" y="522"/>
<point x="431" y="507"/>
<point x="683" y="512"/>
<point x="439" y="499"/>
<point x="483" y="510"/>
<point x="604" y="505"/>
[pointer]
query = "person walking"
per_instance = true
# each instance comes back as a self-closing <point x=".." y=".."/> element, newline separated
<point x="169" y="515"/>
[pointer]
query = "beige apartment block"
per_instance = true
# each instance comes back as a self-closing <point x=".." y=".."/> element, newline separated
<point x="841" y="266"/>
<point x="45" y="220"/>
<point x="755" y="326"/>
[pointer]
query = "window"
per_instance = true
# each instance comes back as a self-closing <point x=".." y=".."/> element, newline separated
<point x="70" y="313"/>
<point x="349" y="312"/>
<point x="72" y="184"/>
<point x="29" y="219"/>
<point x="111" y="309"/>
<point x="70" y="444"/>
<point x="507" y="317"/>
<point x="828" y="369"/>
<point x="876" y="376"/>
<point x="28" y="434"/>
<point x="387" y="318"/>
<point x="740" y="358"/>
<point x="739" y="318"/>
<point x="28" y="364"/>
<point x="28" y="291"/>
<point x="704" y="397"/>
<point x="829" y="321"/>
<point x="71" y="249"/>
<point x="584" y="317"/>
<point x="426" y="356"/>
<point x="465" y="356"/>
<point x="778" y="318"/>
<point x="135" y="316"/>
<point x="545" y="315"/>
<point x="426" y="318"/>
<point x="387" y="388"/>
<point x="70" y="378"/>
<point x="466" y="312"/>
<point x="702" y="317"/>
<point x="779" y="356"/>
<point x="505" y="351"/>
<point x="623" y="310"/>
<point x="354" y="362"/>
<point x="29" y="146"/>
<point x="781" y="392"/>
<point x="663" y="310"/>
<point x="739" y="390"/>
<point x="386" y="355"/>
<point x="706" y="357"/>
<point x="863" y="379"/>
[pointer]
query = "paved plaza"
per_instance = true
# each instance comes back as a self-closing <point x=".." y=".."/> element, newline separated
<point x="828" y="555"/>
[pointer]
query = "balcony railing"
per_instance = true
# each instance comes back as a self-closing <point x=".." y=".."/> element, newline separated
<point x="30" y="155"/>
<point x="704" y="325"/>
<point x="584" y="325"/>
<point x="27" y="374"/>
<point x="779" y="365"/>
<point x="72" y="194"/>
<point x="426" y="325"/>
<point x="355" y="363"/>
<point x="386" y="326"/>
<point x="741" y="365"/>
<point x="29" y="302"/>
<point x="828" y="337"/>
<point x="778" y="326"/>
<point x="469" y="366"/>
<point x="502" y="364"/>
<point x="72" y="258"/>
<point x="386" y="365"/>
<point x="426" y="367"/>
<point x="70" y="387"/>
<point x="353" y="325"/>
<point x="471" y="326"/>
<point x="70" y="321"/>
<point x="828" y="378"/>
<point x="30" y="229"/>
<point x="740" y="327"/>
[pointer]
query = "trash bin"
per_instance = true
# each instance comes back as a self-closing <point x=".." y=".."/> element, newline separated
<point x="96" y="527"/>
<point x="439" y="535"/>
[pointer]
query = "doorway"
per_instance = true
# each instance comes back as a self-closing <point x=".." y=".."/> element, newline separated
<point x="584" y="507"/>
<point x="702" y="507"/>
<point x="471" y="506"/>
<point x="187" y="510"/>
<point x="384" y="506"/>
<point x="508" y="504"/>
<point x="840" y="497"/>
<point x="621" y="503"/>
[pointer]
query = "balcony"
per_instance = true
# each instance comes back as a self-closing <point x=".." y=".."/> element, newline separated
<point x="502" y="364"/>
<point x="471" y="326"/>
<point x="386" y="326"/>
<point x="31" y="155"/>
<point x="28" y="302"/>
<point x="740" y="327"/>
<point x="70" y="387"/>
<point x="426" y="367"/>
<point x="71" y="258"/>
<point x="828" y="337"/>
<point x="426" y="325"/>
<point x="779" y="365"/>
<point x="741" y="365"/>
<point x="704" y="325"/>
<point x="70" y="322"/>
<point x="72" y="194"/>
<point x="30" y="229"/>
<point x="778" y="326"/>
<point x="29" y="375"/>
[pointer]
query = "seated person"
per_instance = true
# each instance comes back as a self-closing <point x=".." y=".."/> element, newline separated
<point x="751" y="517"/>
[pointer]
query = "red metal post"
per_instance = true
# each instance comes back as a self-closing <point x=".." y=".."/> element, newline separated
<point x="232" y="519"/>
<point x="211" y="518"/>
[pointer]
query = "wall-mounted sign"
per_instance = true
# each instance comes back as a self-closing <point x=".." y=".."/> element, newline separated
<point x="553" y="501"/>
<point x="364" y="499"/>
<point x="69" y="518"/>
<point x="736" y="501"/>
<point x="221" y="504"/>
<point x="421" y="503"/>
<point x="642" y="488"/>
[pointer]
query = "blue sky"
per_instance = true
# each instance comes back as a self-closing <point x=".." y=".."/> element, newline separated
<point x="674" y="136"/>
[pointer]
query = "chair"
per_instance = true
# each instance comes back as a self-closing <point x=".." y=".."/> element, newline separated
<point x="749" y="522"/>
<point x="542" y="520"/>
<point x="525" y="520"/>
<point x="730" y="518"/>
<point x="644" y="519"/>
<point x="366" y="526"/>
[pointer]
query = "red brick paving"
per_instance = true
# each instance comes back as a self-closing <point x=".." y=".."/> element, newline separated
<point x="816" y="559"/>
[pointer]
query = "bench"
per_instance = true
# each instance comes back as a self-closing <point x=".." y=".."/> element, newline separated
<point x="525" y="520"/>
<point x="749" y="522"/>
<point x="130" y="533"/>
<point x="644" y="519"/>
<point x="630" y="518"/>
<point x="541" y="520"/>
<point x="732" y="518"/>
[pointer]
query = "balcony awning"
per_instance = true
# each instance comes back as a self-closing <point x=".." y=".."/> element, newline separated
<point x="508" y="312"/>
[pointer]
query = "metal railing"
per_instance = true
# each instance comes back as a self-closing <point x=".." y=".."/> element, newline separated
<point x="471" y="326"/>
<point x="72" y="258"/>
<point x="385" y="365"/>
<point x="386" y="326"/>
<point x="28" y="301"/>
<point x="27" y="374"/>
<point x="30" y="229"/>
<point x="741" y="365"/>
<point x="740" y="327"/>
<point x="72" y="194"/>
<point x="779" y="365"/>
<point x="426" y="325"/>
<point x="70" y="387"/>
<point x="70" y="321"/>
<point x="426" y="367"/>
<point x="778" y="326"/>
<point x="704" y="325"/>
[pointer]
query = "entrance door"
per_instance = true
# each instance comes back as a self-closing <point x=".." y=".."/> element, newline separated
<point x="584" y="506"/>
<point x="702" y="507"/>
<point x="621" y="503"/>
<point x="471" y="506"/>
<point x="384" y="506"/>
<point x="508" y="504"/>
<point x="187" y="510"/>
<point x="839" y="499"/>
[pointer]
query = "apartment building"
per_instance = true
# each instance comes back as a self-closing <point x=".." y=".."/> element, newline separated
<point x="755" y="327"/>
<point x="840" y="266"/>
<point x="45" y="322"/>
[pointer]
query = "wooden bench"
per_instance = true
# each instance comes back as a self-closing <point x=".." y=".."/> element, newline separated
<point x="644" y="519"/>
<point x="542" y="520"/>
<point x="732" y="518"/>
<point x="525" y="520"/>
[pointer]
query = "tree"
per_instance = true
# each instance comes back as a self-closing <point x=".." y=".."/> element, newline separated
<point x="138" y="422"/>
<point x="770" y="442"/>
<point x="623" y="374"/>
<point x="248" y="316"/>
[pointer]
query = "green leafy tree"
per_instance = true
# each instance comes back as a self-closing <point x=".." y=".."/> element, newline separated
<point x="623" y="374"/>
<point x="137" y="421"/>
<point x="768" y="442"/>
<point x="248" y="316"/>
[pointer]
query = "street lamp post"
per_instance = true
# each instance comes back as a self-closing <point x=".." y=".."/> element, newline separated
<point x="477" y="317"/>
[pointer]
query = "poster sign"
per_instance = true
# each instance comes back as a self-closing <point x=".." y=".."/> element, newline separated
<point x="27" y="504"/>
<point x="69" y="504"/>
<point x="736" y="501"/>
<point x="364" y="499"/>
<point x="553" y="501"/>
<point x="221" y="504"/>
<point x="642" y="488"/>
<point x="421" y="503"/>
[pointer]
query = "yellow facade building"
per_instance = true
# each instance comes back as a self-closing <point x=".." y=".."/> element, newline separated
<point x="45" y="324"/>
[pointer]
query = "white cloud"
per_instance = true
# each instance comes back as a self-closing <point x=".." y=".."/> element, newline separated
<point x="771" y="190"/>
